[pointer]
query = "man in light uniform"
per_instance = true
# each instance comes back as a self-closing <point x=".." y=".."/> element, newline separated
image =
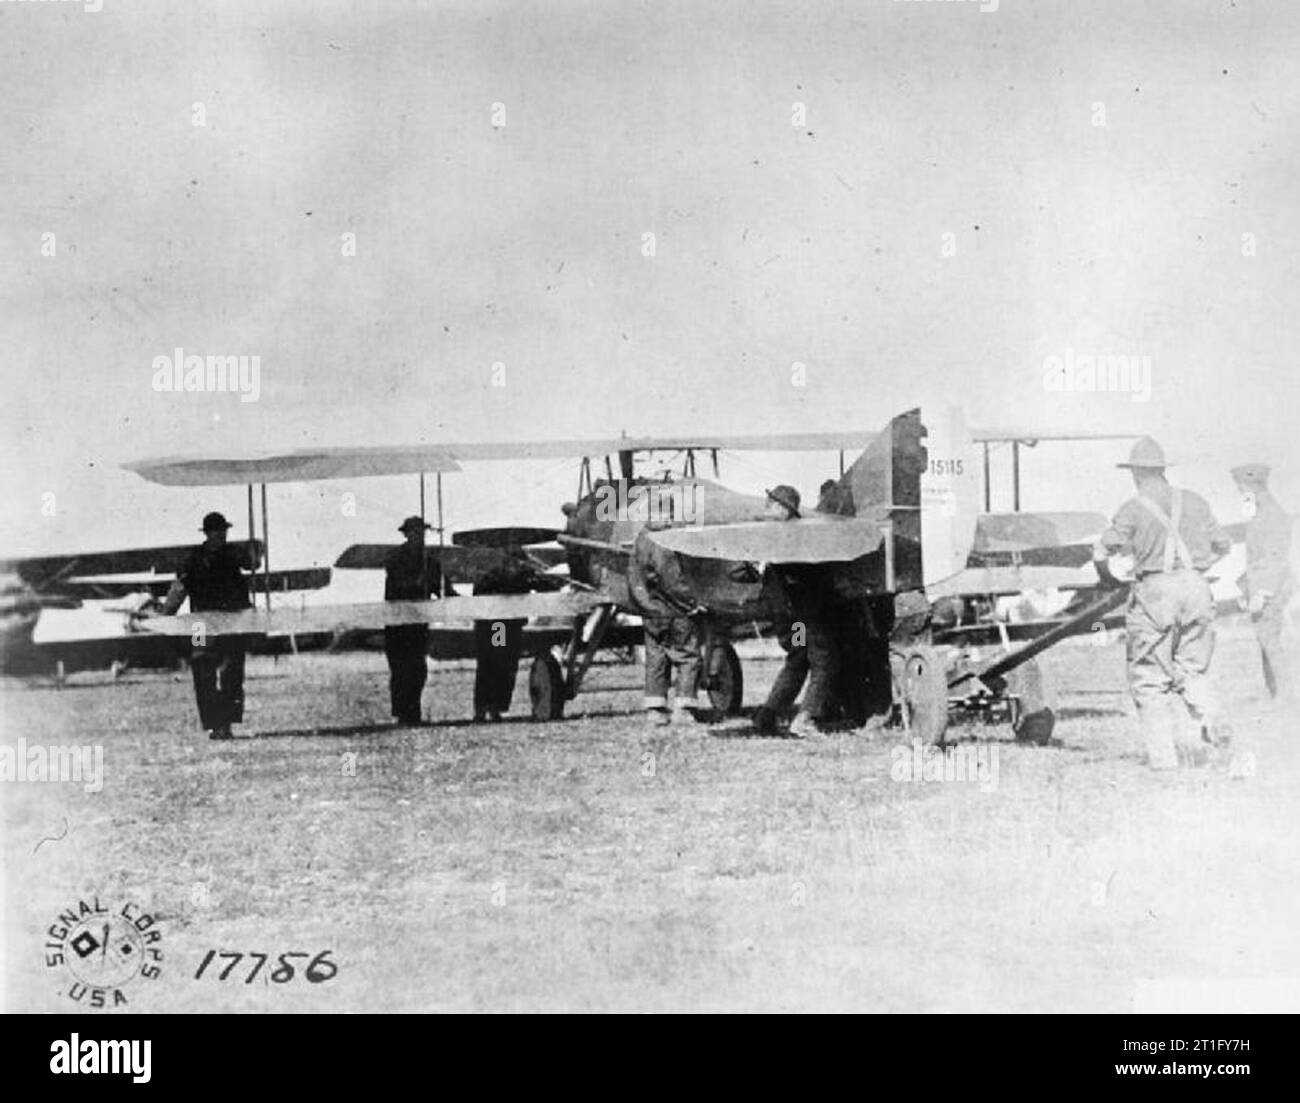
<point x="1269" y="581"/>
<point x="1172" y="537"/>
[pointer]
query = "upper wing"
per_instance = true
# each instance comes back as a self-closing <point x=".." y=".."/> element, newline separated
<point x="300" y="466"/>
<point x="351" y="462"/>
<point x="1032" y="436"/>
<point x="371" y="615"/>
<point x="338" y="463"/>
<point x="822" y="539"/>
<point x="608" y="446"/>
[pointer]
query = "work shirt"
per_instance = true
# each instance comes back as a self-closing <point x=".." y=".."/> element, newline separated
<point x="1136" y="531"/>
<point x="409" y="576"/>
<point x="214" y="578"/>
<point x="657" y="580"/>
<point x="1268" y="547"/>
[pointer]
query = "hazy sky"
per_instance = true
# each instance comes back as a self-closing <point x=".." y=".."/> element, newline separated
<point x="522" y="244"/>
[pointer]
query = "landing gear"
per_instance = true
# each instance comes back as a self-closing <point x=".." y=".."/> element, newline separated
<point x="921" y="692"/>
<point x="723" y="680"/>
<point x="1032" y="713"/>
<point x="546" y="688"/>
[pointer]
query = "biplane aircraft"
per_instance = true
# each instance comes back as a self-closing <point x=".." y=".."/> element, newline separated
<point x="902" y="521"/>
<point x="79" y="611"/>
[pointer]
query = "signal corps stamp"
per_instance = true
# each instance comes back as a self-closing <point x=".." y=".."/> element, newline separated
<point x="100" y="951"/>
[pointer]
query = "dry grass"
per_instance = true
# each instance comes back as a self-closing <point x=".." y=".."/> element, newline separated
<point x="593" y="864"/>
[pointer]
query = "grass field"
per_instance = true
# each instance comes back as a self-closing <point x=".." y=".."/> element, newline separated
<point x="594" y="864"/>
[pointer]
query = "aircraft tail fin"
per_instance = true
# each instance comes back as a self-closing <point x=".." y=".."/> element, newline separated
<point x="918" y="476"/>
<point x="884" y="485"/>
<point x="949" y="497"/>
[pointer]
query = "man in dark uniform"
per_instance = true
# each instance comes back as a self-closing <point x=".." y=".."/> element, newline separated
<point x="409" y="576"/>
<point x="810" y="637"/>
<point x="1269" y="584"/>
<point x="672" y="635"/>
<point x="1172" y="537"/>
<point x="213" y="579"/>
<point x="498" y="643"/>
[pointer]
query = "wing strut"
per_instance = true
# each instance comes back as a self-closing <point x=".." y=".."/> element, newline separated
<point x="266" y="551"/>
<point x="442" y="574"/>
<point x="1015" y="476"/>
<point x="252" y="530"/>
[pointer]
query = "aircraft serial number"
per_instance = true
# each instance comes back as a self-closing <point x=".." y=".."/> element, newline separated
<point x="946" y="467"/>
<point x="318" y="970"/>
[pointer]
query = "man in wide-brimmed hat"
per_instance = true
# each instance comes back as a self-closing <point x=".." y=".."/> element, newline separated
<point x="1270" y="584"/>
<point x="813" y="653"/>
<point x="409" y="576"/>
<point x="1172" y="538"/>
<point x="213" y="579"/>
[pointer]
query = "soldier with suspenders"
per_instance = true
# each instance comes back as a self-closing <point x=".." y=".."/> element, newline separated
<point x="1172" y="537"/>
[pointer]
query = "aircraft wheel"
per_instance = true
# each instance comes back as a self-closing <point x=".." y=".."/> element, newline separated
<point x="546" y="688"/>
<point x="921" y="685"/>
<point x="724" y="678"/>
<point x="1032" y="714"/>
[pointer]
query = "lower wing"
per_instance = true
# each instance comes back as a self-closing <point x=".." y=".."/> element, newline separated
<point x="372" y="615"/>
<point x="807" y="540"/>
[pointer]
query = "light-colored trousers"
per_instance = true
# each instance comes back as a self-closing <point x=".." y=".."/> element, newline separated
<point x="1170" y="630"/>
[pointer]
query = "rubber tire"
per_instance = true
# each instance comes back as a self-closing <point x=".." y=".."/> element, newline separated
<point x="1034" y="718"/>
<point x="546" y="688"/>
<point x="724" y="678"/>
<point x="923" y="691"/>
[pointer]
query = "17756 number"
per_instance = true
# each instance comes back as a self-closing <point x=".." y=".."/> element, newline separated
<point x="319" y="969"/>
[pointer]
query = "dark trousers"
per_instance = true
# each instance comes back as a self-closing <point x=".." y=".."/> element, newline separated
<point x="671" y="642"/>
<point x="816" y="660"/>
<point x="218" y="669"/>
<point x="406" y="646"/>
<point x="863" y="686"/>
<point x="497" y="644"/>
